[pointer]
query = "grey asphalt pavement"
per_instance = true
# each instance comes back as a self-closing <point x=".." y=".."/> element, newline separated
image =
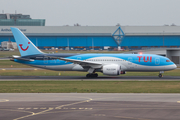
<point x="100" y="78"/>
<point x="80" y="106"/>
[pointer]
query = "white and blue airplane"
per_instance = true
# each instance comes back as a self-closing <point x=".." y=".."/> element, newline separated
<point x="108" y="64"/>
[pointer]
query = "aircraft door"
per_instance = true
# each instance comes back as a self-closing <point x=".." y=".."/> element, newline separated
<point x="130" y="64"/>
<point x="45" y="60"/>
<point x="157" y="61"/>
<point x="78" y="58"/>
<point x="130" y="61"/>
<point x="57" y="61"/>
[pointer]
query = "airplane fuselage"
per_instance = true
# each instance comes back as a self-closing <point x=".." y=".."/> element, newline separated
<point x="128" y="62"/>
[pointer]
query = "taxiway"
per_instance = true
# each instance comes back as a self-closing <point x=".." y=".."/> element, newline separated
<point x="101" y="106"/>
<point x="100" y="78"/>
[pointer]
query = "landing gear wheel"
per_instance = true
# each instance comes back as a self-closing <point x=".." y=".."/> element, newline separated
<point x="88" y="75"/>
<point x="92" y="75"/>
<point x="160" y="75"/>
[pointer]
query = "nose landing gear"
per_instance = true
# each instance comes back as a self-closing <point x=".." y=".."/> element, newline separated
<point x="160" y="74"/>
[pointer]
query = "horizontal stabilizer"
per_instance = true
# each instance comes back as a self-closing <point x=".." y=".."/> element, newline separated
<point x="20" y="58"/>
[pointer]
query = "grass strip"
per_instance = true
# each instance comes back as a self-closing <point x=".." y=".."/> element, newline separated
<point x="89" y="86"/>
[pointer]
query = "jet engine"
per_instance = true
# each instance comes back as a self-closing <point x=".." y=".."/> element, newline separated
<point x="112" y="69"/>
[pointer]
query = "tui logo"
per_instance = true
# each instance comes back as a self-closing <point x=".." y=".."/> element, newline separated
<point x="145" y="59"/>
<point x="23" y="48"/>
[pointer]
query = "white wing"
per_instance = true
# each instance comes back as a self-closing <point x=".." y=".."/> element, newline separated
<point x="83" y="63"/>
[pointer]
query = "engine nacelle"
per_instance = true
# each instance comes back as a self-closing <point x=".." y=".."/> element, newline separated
<point x="112" y="69"/>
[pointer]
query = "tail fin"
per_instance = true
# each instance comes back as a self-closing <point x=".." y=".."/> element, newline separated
<point x="25" y="46"/>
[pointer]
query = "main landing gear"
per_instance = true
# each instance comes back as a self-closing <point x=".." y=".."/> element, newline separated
<point x="160" y="74"/>
<point x="92" y="75"/>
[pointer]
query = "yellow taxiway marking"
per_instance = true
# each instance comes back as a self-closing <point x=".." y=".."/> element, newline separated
<point x="4" y="100"/>
<point x="178" y="101"/>
<point x="99" y="115"/>
<point x="124" y="117"/>
<point x="43" y="112"/>
<point x="88" y="108"/>
<point x="17" y="110"/>
<point x="55" y="108"/>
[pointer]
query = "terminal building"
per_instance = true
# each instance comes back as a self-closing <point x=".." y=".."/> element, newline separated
<point x="98" y="37"/>
<point x="89" y="37"/>
<point x="19" y="20"/>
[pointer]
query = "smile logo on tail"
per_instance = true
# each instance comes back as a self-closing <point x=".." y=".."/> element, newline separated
<point x="23" y="48"/>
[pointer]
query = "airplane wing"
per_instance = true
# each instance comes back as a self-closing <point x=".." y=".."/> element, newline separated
<point x="80" y="62"/>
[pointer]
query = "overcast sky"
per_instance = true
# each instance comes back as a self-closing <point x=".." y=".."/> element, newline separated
<point x="97" y="12"/>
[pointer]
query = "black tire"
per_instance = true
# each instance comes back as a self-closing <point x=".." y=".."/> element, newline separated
<point x="92" y="75"/>
<point x="88" y="75"/>
<point x="160" y="76"/>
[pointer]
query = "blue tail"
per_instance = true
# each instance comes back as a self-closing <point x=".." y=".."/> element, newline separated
<point x="25" y="46"/>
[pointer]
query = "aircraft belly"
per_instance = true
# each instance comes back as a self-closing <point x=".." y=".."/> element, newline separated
<point x="150" y="68"/>
<point x="69" y="67"/>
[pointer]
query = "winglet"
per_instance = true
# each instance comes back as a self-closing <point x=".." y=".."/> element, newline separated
<point x="25" y="46"/>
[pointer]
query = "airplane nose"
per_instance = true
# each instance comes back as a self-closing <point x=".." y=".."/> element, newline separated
<point x="171" y="67"/>
<point x="175" y="66"/>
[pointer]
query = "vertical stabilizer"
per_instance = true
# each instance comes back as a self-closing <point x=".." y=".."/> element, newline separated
<point x="25" y="46"/>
